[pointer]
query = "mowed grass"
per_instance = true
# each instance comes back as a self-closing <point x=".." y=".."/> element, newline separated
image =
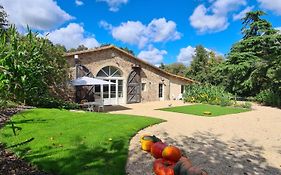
<point x="199" y="109"/>
<point x="64" y="142"/>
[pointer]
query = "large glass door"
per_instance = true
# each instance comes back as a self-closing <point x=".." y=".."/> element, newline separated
<point x="112" y="94"/>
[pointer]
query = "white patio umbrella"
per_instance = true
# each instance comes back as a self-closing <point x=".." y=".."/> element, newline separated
<point x="88" y="81"/>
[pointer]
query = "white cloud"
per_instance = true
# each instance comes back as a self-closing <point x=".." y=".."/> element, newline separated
<point x="105" y="25"/>
<point x="272" y="5"/>
<point x="79" y="2"/>
<point x="114" y="5"/>
<point x="152" y="55"/>
<point x="136" y="33"/>
<point x="225" y="6"/>
<point x="242" y="14"/>
<point x="131" y="32"/>
<point x="214" y="18"/>
<point x="207" y="23"/>
<point x="186" y="54"/>
<point x="72" y="36"/>
<point x="38" y="14"/>
<point x="163" y="30"/>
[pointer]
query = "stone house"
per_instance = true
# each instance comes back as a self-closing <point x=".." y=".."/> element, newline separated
<point x="134" y="80"/>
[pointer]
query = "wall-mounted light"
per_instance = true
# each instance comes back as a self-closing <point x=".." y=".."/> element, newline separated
<point x="76" y="59"/>
<point x="113" y="55"/>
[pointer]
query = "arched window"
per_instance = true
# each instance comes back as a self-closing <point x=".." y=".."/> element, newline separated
<point x="113" y="93"/>
<point x="109" y="71"/>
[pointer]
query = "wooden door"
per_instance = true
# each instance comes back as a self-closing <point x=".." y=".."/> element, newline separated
<point x="134" y="87"/>
<point x="84" y="92"/>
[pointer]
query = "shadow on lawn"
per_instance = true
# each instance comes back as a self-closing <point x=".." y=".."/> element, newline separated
<point x="31" y="121"/>
<point x="215" y="156"/>
<point x="80" y="159"/>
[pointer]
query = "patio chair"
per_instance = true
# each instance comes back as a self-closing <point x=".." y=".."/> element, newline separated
<point x="180" y="97"/>
<point x="100" y="104"/>
<point x="83" y="105"/>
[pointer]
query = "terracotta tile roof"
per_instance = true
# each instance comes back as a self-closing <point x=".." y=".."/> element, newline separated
<point x="131" y="56"/>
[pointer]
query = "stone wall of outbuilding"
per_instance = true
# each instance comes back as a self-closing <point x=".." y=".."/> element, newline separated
<point x="96" y="60"/>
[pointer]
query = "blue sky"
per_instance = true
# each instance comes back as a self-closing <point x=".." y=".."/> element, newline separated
<point x="157" y="30"/>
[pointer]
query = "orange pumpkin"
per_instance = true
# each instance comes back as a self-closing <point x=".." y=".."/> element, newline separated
<point x="171" y="153"/>
<point x="163" y="167"/>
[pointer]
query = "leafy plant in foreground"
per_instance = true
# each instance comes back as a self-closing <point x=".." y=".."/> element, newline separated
<point x="31" y="68"/>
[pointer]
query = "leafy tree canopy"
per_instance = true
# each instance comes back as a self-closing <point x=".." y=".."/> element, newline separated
<point x="254" y="63"/>
<point x="79" y="48"/>
<point x="175" y="68"/>
<point x="253" y="25"/>
<point x="202" y="64"/>
<point x="126" y="49"/>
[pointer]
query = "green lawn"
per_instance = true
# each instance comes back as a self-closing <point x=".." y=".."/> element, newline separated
<point x="74" y="143"/>
<point x="199" y="109"/>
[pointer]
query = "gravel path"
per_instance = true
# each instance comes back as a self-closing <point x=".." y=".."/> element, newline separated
<point x="245" y="143"/>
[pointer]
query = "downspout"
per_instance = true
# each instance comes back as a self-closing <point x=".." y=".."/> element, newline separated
<point x="76" y="59"/>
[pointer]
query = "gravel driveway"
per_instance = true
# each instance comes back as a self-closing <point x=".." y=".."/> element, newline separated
<point x="245" y="143"/>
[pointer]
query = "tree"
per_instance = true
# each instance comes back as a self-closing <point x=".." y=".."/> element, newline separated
<point x="126" y="49"/>
<point x="197" y="69"/>
<point x="61" y="47"/>
<point x="254" y="63"/>
<point x="214" y="59"/>
<point x="3" y="18"/>
<point x="162" y="66"/>
<point x="253" y="25"/>
<point x="175" y="68"/>
<point x="212" y="70"/>
<point x="79" y="48"/>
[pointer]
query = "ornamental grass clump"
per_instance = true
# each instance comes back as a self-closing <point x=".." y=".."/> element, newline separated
<point x="32" y="70"/>
<point x="214" y="95"/>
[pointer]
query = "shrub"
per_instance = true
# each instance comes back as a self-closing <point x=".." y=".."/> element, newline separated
<point x="6" y="104"/>
<point x="268" y="97"/>
<point x="31" y="67"/>
<point x="199" y="93"/>
<point x="51" y="102"/>
<point x="246" y="105"/>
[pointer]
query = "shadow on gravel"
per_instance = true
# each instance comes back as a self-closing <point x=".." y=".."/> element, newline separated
<point x="206" y="150"/>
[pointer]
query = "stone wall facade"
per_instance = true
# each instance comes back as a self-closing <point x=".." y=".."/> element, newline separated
<point x="151" y="77"/>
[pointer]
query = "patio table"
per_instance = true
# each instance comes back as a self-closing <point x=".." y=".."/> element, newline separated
<point x="90" y="105"/>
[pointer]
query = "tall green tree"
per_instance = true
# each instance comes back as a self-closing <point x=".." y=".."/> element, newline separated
<point x="254" y="63"/>
<point x="197" y="69"/>
<point x="175" y="68"/>
<point x="254" y="25"/>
